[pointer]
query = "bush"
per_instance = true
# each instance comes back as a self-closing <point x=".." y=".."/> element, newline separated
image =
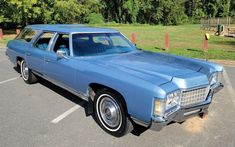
<point x="95" y="18"/>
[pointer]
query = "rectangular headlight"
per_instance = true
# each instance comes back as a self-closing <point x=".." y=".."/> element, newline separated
<point x="216" y="78"/>
<point x="159" y="107"/>
<point x="220" y="76"/>
<point x="172" y="99"/>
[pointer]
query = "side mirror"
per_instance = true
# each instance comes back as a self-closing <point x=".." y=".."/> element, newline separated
<point x="61" y="54"/>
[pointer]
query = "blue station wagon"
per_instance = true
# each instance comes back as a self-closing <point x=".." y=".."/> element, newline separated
<point x="123" y="85"/>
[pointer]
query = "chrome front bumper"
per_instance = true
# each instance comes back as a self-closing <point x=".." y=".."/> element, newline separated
<point x="185" y="112"/>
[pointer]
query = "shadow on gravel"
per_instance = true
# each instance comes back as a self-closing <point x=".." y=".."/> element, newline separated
<point x="17" y="69"/>
<point x="138" y="130"/>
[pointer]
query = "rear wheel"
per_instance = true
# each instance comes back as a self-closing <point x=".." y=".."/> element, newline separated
<point x="26" y="73"/>
<point x="111" y="113"/>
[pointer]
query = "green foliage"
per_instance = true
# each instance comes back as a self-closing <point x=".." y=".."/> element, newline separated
<point x="67" y="11"/>
<point x="131" y="8"/>
<point x="223" y="8"/>
<point x="171" y="12"/>
<point x="27" y="10"/>
<point x="94" y="18"/>
<point x="166" y="12"/>
<point x="1" y="18"/>
<point x="232" y="8"/>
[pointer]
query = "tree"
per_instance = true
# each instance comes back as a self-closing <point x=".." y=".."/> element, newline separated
<point x="130" y="10"/>
<point x="232" y="8"/>
<point x="171" y="12"/>
<point x="113" y="10"/>
<point x="27" y="10"/>
<point x="194" y="10"/>
<point x="95" y="18"/>
<point x="223" y="8"/>
<point x="167" y="12"/>
<point x="47" y="11"/>
<point x="8" y="13"/>
<point x="91" y="8"/>
<point x="67" y="11"/>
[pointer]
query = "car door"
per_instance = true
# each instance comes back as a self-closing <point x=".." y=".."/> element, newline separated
<point x="60" y="69"/>
<point x="35" y="56"/>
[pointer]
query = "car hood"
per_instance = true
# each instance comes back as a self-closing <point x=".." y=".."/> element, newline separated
<point x="157" y="68"/>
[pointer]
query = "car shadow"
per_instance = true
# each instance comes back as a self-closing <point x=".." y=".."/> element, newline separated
<point x="137" y="131"/>
<point x="64" y="93"/>
<point x="17" y="69"/>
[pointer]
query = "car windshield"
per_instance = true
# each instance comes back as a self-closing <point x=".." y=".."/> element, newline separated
<point x="100" y="44"/>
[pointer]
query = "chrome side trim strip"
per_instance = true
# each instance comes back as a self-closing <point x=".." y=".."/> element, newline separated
<point x="37" y="73"/>
<point x="79" y="94"/>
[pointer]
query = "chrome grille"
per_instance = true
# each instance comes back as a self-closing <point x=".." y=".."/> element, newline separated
<point x="194" y="96"/>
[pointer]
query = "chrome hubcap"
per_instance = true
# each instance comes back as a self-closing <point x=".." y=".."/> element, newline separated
<point x="25" y="71"/>
<point x="110" y="112"/>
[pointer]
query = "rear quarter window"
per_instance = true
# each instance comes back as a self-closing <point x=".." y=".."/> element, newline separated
<point x="26" y="35"/>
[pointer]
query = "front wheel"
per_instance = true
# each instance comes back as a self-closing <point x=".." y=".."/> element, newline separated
<point x="26" y="73"/>
<point x="111" y="113"/>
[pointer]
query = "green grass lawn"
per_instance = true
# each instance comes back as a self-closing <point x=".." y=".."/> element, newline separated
<point x="185" y="40"/>
<point x="8" y="35"/>
<point x="6" y="39"/>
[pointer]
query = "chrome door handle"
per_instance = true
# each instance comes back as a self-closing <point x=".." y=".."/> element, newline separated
<point x="47" y="60"/>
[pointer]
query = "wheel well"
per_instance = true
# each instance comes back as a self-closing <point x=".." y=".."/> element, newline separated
<point x="18" y="60"/>
<point x="94" y="87"/>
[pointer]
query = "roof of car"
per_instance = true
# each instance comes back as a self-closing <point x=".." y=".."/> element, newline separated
<point x="71" y="28"/>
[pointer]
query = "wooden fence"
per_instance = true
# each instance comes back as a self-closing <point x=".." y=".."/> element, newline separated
<point x="212" y="23"/>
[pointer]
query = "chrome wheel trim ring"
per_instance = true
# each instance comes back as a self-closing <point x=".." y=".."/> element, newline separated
<point x="24" y="71"/>
<point x="109" y="112"/>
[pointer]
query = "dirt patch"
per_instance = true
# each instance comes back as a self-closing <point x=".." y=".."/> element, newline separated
<point x="195" y="124"/>
<point x="229" y="63"/>
<point x="2" y="45"/>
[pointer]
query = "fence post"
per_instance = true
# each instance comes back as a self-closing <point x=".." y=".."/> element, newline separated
<point x="133" y="37"/>
<point x="17" y="31"/>
<point x="18" y="28"/>
<point x="206" y="38"/>
<point x="209" y="25"/>
<point x="166" y="41"/>
<point x="1" y="33"/>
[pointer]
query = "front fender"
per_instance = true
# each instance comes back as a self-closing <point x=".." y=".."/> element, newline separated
<point x="138" y="94"/>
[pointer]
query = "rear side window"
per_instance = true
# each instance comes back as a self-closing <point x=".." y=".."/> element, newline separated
<point x="26" y="35"/>
<point x="43" y="41"/>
